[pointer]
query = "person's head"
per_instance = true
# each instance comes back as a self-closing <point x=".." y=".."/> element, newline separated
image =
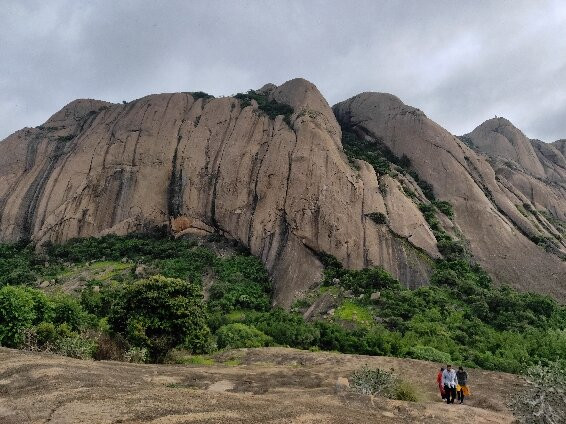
<point x="441" y="368"/>
<point x="449" y="367"/>
<point x="460" y="369"/>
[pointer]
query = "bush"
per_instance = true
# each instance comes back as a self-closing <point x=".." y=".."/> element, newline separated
<point x="46" y="334"/>
<point x="377" y="217"/>
<point x="201" y="95"/>
<point x="445" y="207"/>
<point x="67" y="310"/>
<point x="451" y="249"/>
<point x="271" y="108"/>
<point x="138" y="355"/>
<point x="76" y="346"/>
<point x="543" y="400"/>
<point x="242" y="283"/>
<point x="373" y="381"/>
<point x="285" y="328"/>
<point x="237" y="335"/>
<point x="429" y="353"/>
<point x="161" y="313"/>
<point x="16" y="314"/>
<point x="405" y="391"/>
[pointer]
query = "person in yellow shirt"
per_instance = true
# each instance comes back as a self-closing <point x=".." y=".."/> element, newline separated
<point x="462" y="388"/>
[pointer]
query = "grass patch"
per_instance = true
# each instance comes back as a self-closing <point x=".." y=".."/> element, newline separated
<point x="353" y="312"/>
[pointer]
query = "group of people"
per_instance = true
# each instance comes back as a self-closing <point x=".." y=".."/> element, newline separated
<point x="453" y="384"/>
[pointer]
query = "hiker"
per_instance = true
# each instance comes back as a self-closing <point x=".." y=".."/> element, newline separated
<point x="439" y="383"/>
<point x="462" y="388"/>
<point x="449" y="382"/>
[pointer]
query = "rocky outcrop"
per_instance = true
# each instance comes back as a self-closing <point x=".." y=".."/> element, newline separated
<point x="283" y="188"/>
<point x="485" y="207"/>
<point x="538" y="183"/>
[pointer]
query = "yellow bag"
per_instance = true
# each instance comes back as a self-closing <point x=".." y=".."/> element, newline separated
<point x="465" y="391"/>
<point x="458" y="387"/>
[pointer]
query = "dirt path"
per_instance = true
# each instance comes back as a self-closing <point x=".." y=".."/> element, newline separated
<point x="272" y="385"/>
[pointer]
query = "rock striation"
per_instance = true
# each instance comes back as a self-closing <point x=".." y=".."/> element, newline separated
<point x="281" y="186"/>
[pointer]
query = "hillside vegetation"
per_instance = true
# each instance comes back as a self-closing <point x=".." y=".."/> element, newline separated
<point x="155" y="299"/>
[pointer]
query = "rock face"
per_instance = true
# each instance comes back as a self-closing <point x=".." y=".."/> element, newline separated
<point x="535" y="173"/>
<point x="485" y="205"/>
<point x="282" y="187"/>
<point x="210" y="165"/>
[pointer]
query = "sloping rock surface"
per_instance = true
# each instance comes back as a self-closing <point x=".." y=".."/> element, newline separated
<point x="485" y="205"/>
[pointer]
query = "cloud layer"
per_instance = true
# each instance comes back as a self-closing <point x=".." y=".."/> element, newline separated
<point x="461" y="62"/>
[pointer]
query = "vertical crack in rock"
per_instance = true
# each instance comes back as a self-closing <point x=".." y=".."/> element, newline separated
<point x="175" y="189"/>
<point x="257" y="165"/>
<point x="85" y="126"/>
<point x="31" y="198"/>
<point x="217" y="162"/>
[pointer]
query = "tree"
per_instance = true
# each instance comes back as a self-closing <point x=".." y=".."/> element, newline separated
<point x="16" y="314"/>
<point x="162" y="313"/>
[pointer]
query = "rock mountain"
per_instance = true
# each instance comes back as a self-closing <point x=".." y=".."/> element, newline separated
<point x="284" y="186"/>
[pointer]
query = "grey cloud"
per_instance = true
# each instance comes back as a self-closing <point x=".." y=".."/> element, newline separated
<point x="460" y="62"/>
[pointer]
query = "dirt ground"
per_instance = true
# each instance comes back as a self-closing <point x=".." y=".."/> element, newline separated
<point x="270" y="385"/>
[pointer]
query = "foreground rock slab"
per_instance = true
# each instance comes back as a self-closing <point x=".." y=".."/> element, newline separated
<point x="272" y="385"/>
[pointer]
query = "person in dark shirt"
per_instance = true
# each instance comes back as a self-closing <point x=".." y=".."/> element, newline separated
<point x="462" y="377"/>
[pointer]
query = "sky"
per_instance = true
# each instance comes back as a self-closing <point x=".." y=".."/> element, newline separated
<point x="461" y="62"/>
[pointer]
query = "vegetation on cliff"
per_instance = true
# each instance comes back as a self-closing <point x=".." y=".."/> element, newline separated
<point x="149" y="300"/>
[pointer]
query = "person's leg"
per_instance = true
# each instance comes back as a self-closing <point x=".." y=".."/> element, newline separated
<point x="447" y="393"/>
<point x="453" y="394"/>
<point x="462" y="395"/>
<point x="459" y="395"/>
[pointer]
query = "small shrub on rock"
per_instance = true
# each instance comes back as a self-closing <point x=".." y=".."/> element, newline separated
<point x="375" y="381"/>
<point x="237" y="335"/>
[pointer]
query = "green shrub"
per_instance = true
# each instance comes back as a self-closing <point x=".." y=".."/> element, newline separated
<point x="242" y="283"/>
<point x="429" y="353"/>
<point x="46" y="334"/>
<point x="405" y="391"/>
<point x="377" y="217"/>
<point x="237" y="335"/>
<point x="364" y="281"/>
<point x="373" y="381"/>
<point x="451" y="249"/>
<point x="137" y="355"/>
<point x="285" y="328"/>
<point x="76" y="346"/>
<point x="201" y="95"/>
<point x="271" y="108"/>
<point x="68" y="310"/>
<point x="161" y="313"/>
<point x="445" y="207"/>
<point x="16" y="314"/>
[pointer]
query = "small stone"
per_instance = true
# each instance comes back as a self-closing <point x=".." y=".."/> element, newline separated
<point x="375" y="296"/>
<point x="141" y="271"/>
<point x="124" y="260"/>
<point x="348" y="293"/>
<point x="44" y="284"/>
<point x="335" y="281"/>
<point x="96" y="289"/>
<point x="331" y="312"/>
<point x="342" y="384"/>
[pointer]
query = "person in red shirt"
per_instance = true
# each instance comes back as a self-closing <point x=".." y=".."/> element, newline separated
<point x="440" y="384"/>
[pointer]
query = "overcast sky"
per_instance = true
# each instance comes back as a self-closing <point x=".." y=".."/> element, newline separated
<point x="461" y="62"/>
